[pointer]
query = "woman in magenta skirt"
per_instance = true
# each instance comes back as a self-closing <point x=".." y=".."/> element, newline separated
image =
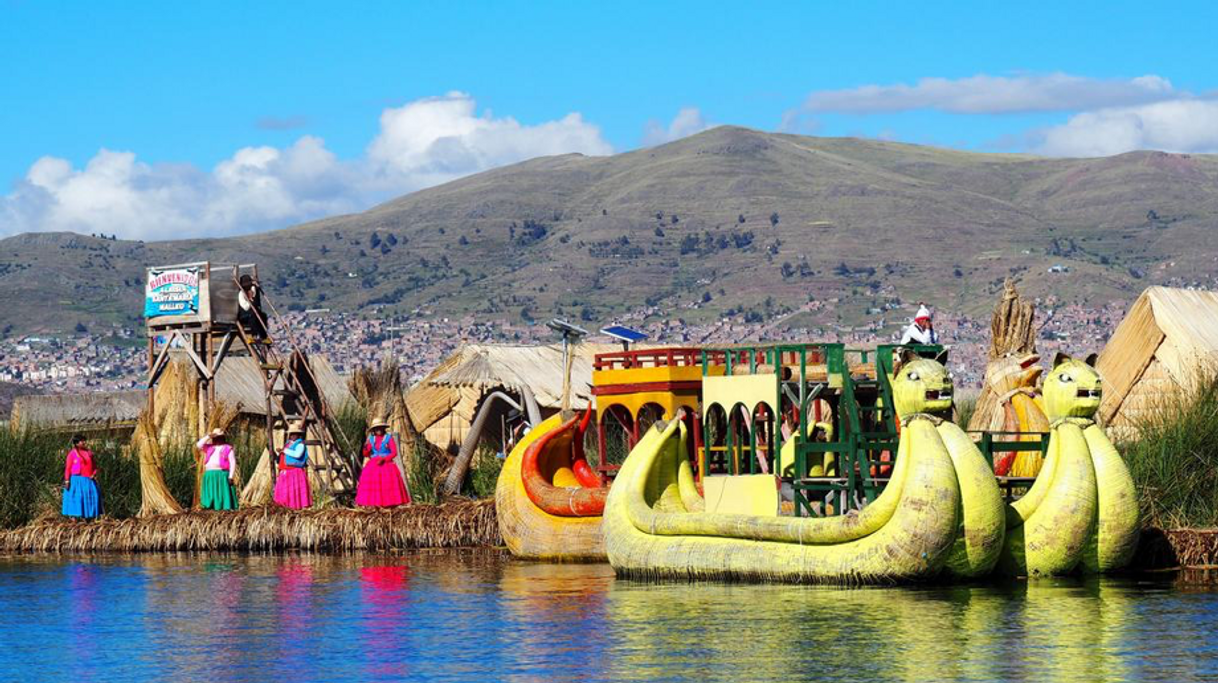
<point x="292" y="485"/>
<point x="380" y="482"/>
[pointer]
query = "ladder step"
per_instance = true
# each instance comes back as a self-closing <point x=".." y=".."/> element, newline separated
<point x="270" y="366"/>
<point x="285" y="392"/>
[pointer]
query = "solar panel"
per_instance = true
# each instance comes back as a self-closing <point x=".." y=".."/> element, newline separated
<point x="623" y="333"/>
<point x="566" y="328"/>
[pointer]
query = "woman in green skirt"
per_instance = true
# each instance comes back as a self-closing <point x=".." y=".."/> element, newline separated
<point x="219" y="468"/>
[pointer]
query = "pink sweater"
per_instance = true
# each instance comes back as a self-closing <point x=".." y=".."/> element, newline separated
<point x="216" y="456"/>
<point x="80" y="462"/>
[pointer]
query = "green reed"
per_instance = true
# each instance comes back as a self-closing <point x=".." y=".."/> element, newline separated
<point x="1174" y="459"/>
<point x="31" y="476"/>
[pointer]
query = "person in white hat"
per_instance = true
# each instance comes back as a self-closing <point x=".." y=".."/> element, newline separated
<point x="922" y="329"/>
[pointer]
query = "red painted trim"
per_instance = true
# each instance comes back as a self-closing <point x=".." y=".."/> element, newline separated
<point x="562" y="501"/>
<point x="640" y="387"/>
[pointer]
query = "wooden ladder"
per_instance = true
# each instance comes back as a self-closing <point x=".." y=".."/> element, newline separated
<point x="293" y="394"/>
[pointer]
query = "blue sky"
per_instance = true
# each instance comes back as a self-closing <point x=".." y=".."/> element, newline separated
<point x="220" y="118"/>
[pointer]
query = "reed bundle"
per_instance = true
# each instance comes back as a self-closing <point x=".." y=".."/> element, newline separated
<point x="379" y="391"/>
<point x="456" y="524"/>
<point x="1012" y="339"/>
<point x="155" y="495"/>
<point x="1013" y="324"/>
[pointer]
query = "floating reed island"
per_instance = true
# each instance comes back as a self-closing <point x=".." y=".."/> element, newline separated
<point x="456" y="524"/>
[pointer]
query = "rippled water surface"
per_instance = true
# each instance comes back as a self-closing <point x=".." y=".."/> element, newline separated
<point x="483" y="617"/>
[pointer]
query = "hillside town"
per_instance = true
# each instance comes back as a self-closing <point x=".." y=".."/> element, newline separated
<point x="118" y="360"/>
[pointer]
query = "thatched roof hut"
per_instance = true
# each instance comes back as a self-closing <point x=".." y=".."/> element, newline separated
<point x="443" y="404"/>
<point x="238" y="383"/>
<point x="87" y="412"/>
<point x="1167" y="341"/>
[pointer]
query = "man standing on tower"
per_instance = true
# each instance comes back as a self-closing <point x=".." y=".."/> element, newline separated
<point x="922" y="330"/>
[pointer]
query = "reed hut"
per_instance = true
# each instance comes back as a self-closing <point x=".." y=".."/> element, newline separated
<point x="1167" y="341"/>
<point x="112" y="412"/>
<point x="442" y="405"/>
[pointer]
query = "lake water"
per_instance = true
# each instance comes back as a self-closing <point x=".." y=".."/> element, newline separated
<point x="485" y="617"/>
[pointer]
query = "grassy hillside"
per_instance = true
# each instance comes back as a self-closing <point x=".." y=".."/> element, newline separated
<point x="733" y="214"/>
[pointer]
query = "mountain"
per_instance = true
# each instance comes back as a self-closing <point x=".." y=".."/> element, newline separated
<point x="730" y="217"/>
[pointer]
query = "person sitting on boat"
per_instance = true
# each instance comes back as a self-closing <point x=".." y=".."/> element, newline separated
<point x="249" y="308"/>
<point x="81" y="497"/>
<point x="380" y="482"/>
<point x="292" y="486"/>
<point x="219" y="470"/>
<point x="922" y="330"/>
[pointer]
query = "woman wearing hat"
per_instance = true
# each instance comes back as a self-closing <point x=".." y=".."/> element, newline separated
<point x="219" y="469"/>
<point x="81" y="497"/>
<point x="292" y="486"/>
<point x="380" y="483"/>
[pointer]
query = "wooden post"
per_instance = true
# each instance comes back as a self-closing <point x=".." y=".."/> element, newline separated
<point x="151" y="388"/>
<point x="201" y="346"/>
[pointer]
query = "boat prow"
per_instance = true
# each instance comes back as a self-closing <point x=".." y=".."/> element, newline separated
<point x="548" y="500"/>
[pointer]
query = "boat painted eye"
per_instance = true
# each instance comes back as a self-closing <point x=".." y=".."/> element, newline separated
<point x="1065" y="378"/>
<point x="913" y="377"/>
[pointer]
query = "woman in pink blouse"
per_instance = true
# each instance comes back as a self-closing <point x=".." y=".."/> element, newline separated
<point x="81" y="497"/>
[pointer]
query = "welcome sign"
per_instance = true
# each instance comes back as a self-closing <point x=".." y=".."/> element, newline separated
<point x="172" y="291"/>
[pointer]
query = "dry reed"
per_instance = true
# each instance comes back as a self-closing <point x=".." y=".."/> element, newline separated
<point x="456" y="524"/>
<point x="156" y="498"/>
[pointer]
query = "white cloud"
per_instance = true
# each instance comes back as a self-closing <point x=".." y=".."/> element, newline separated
<point x="687" y="122"/>
<point x="1178" y="126"/>
<point x="434" y="140"/>
<point x="420" y="144"/>
<point x="983" y="94"/>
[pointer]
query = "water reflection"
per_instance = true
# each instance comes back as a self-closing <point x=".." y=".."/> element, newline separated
<point x="479" y="617"/>
<point x="80" y="653"/>
<point x="294" y="594"/>
<point x="557" y="617"/>
<point x="385" y="618"/>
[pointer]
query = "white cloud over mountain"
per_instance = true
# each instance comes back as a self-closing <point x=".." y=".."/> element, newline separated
<point x="984" y="94"/>
<point x="423" y="143"/>
<point x="687" y="122"/>
<point x="1175" y="126"/>
<point x="1106" y="116"/>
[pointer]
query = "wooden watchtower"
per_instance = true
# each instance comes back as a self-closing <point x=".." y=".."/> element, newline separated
<point x="195" y="307"/>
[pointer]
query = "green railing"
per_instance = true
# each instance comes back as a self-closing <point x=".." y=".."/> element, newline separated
<point x="863" y="419"/>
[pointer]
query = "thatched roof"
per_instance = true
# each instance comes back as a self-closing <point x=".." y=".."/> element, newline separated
<point x="1168" y="338"/>
<point x="79" y="411"/>
<point x="486" y="366"/>
<point x="239" y="381"/>
<point x="443" y="404"/>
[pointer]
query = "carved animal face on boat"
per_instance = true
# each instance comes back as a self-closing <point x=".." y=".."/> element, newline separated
<point x="921" y="385"/>
<point x="1072" y="388"/>
<point x="1013" y="372"/>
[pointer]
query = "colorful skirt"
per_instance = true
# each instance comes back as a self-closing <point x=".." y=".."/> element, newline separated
<point x="218" y="491"/>
<point x="83" y="498"/>
<point x="381" y="485"/>
<point x="292" y="488"/>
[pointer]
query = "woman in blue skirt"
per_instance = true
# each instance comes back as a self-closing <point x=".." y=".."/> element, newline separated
<point x="81" y="497"/>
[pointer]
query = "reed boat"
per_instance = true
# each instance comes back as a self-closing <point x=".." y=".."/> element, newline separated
<point x="940" y="512"/>
<point x="548" y="499"/>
